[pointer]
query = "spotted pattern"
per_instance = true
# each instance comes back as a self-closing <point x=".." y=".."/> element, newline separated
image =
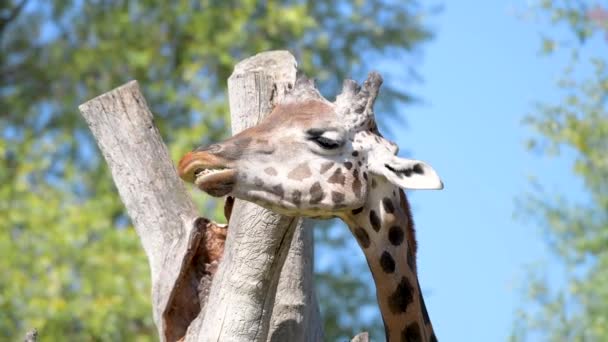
<point x="278" y="190"/>
<point x="357" y="187"/>
<point x="316" y="193"/>
<point x="271" y="171"/>
<point x="337" y="177"/>
<point x="411" y="333"/>
<point x="257" y="181"/>
<point x="301" y="172"/>
<point x="357" y="211"/>
<point x="389" y="208"/>
<point x="399" y="300"/>
<point x="337" y="197"/>
<point x="395" y="235"/>
<point x="326" y="166"/>
<point x="403" y="294"/>
<point x="362" y="237"/>
<point x="374" y="220"/>
<point x="387" y="262"/>
<point x="296" y="197"/>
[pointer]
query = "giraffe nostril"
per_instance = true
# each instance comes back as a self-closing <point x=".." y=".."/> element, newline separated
<point x="214" y="148"/>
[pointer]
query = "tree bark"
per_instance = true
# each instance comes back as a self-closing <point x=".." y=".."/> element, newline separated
<point x="163" y="214"/>
<point x="238" y="303"/>
<point x="295" y="315"/>
<point x="259" y="271"/>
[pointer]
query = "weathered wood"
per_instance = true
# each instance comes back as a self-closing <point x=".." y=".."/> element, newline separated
<point x="296" y="316"/>
<point x="162" y="212"/>
<point x="241" y="297"/>
<point x="361" y="337"/>
<point x="243" y="293"/>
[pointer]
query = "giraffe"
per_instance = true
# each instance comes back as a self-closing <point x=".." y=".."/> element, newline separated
<point x="311" y="157"/>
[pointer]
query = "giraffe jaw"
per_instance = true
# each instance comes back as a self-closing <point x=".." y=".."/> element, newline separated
<point x="215" y="182"/>
<point x="207" y="172"/>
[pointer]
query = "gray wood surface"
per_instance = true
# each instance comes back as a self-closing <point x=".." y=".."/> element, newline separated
<point x="259" y="272"/>
<point x="263" y="289"/>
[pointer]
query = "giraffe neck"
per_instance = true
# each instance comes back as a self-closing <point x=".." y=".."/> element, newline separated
<point x="384" y="230"/>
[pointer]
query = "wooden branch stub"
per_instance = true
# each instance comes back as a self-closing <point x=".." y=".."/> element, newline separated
<point x="361" y="337"/>
<point x="162" y="212"/>
<point x="242" y="302"/>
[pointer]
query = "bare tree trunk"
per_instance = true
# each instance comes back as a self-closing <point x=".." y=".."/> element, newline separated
<point x="177" y="242"/>
<point x="155" y="197"/>
<point x="295" y="315"/>
<point x="243" y="293"/>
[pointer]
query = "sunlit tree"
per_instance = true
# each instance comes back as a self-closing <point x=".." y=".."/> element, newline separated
<point x="70" y="263"/>
<point x="575" y="230"/>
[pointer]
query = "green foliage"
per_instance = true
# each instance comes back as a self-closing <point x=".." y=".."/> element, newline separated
<point x="71" y="264"/>
<point x="577" y="232"/>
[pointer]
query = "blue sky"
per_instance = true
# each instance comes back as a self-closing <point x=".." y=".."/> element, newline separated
<point x="482" y="74"/>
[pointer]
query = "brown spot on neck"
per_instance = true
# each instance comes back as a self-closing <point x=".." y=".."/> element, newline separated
<point x="401" y="297"/>
<point x="391" y="256"/>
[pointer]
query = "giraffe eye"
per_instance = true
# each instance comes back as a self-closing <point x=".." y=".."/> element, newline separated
<point x="326" y="143"/>
<point x="326" y="139"/>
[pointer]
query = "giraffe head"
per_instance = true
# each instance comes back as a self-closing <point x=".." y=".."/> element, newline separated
<point x="309" y="157"/>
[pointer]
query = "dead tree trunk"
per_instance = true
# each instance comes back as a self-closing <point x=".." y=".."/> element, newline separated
<point x="253" y="297"/>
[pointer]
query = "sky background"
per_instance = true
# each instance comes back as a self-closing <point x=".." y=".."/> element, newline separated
<point x="481" y="75"/>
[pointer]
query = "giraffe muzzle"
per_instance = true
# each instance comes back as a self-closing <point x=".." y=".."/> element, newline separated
<point x="207" y="172"/>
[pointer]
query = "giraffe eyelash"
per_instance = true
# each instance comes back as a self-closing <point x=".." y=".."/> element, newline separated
<point x="325" y="138"/>
<point x="328" y="144"/>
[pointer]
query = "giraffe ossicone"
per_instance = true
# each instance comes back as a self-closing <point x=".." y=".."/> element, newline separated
<point x="312" y="157"/>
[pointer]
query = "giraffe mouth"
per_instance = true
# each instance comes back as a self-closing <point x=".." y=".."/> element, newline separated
<point x="207" y="173"/>
<point x="216" y="182"/>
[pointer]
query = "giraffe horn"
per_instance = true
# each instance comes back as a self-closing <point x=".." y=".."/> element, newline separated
<point x="370" y="89"/>
<point x="356" y="103"/>
<point x="303" y="90"/>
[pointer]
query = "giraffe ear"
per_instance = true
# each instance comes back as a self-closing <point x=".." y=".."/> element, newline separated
<point x="407" y="173"/>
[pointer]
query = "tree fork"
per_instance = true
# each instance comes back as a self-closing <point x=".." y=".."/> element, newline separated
<point x="263" y="288"/>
